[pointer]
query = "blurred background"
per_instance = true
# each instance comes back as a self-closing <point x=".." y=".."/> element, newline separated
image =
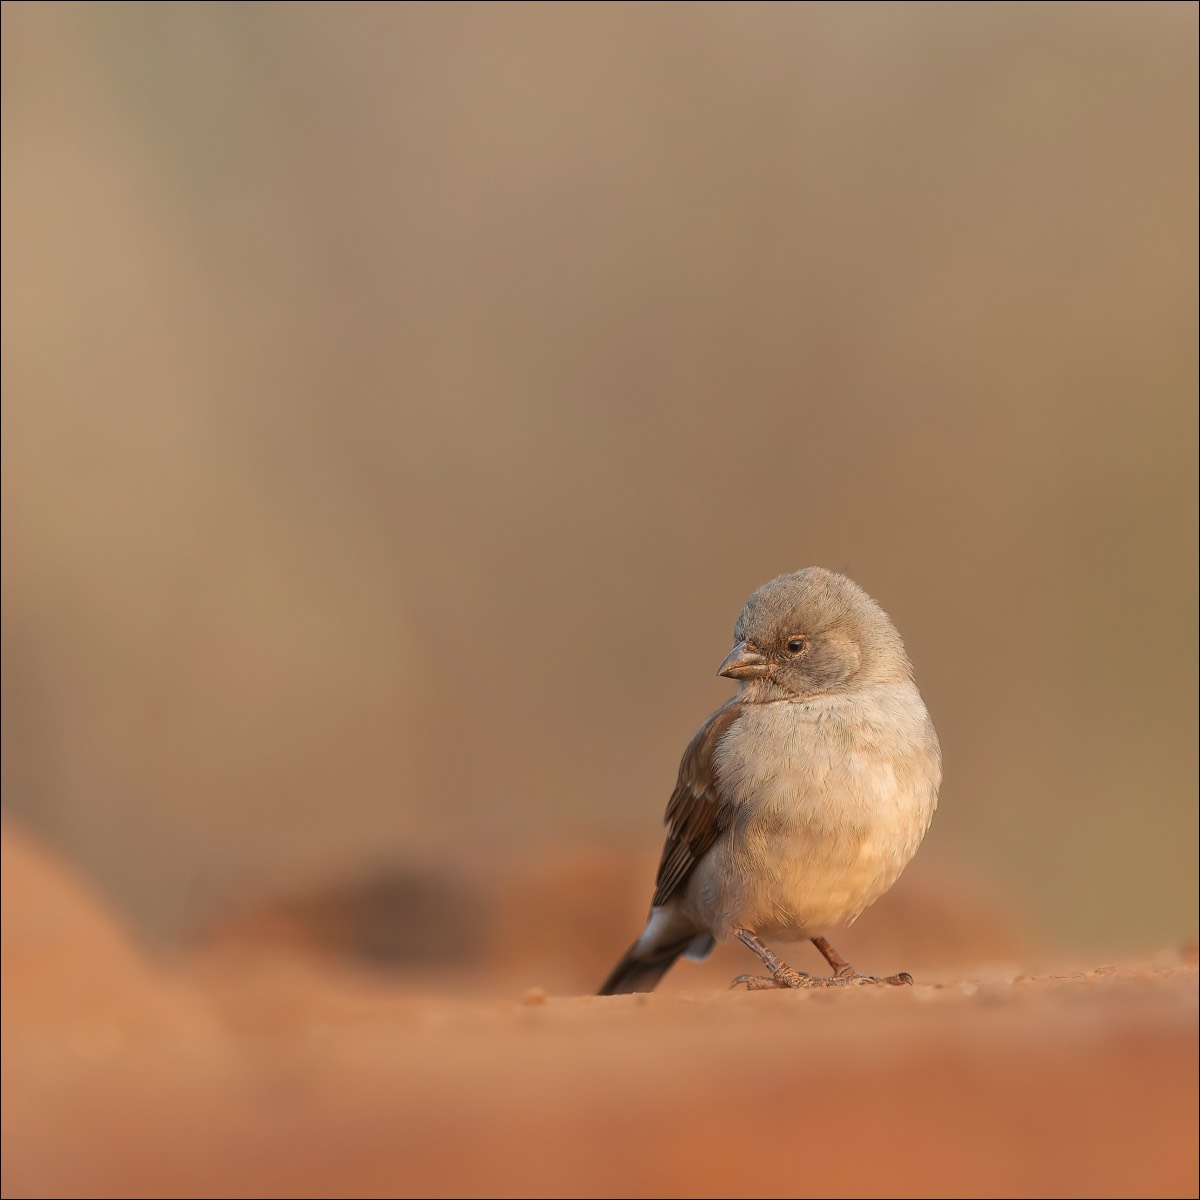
<point x="400" y="401"/>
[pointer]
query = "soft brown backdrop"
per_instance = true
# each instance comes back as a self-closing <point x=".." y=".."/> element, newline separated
<point x="400" y="401"/>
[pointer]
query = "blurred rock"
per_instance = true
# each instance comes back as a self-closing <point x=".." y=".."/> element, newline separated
<point x="107" y="1062"/>
<point x="71" y="972"/>
<point x="391" y="918"/>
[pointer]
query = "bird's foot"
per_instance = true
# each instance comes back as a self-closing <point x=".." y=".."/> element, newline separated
<point x="787" y="978"/>
<point x="782" y="977"/>
<point x="844" y="973"/>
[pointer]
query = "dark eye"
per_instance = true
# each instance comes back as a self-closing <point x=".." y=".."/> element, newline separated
<point x="797" y="645"/>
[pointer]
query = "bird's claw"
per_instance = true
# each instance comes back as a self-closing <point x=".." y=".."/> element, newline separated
<point x="754" y="983"/>
<point x="904" y="979"/>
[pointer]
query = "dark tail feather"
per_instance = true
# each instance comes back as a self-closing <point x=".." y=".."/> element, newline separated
<point x="636" y="973"/>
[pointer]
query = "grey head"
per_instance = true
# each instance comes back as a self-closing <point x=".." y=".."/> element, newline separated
<point x="812" y="633"/>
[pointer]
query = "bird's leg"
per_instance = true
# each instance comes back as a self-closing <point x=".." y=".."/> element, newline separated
<point x="843" y="972"/>
<point x="781" y="974"/>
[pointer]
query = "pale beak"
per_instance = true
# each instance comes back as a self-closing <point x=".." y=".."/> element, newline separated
<point x="743" y="662"/>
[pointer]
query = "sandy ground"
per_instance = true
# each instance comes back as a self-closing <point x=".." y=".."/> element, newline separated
<point x="237" y="1072"/>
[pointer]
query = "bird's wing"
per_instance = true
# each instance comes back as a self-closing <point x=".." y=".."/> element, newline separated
<point x="695" y="814"/>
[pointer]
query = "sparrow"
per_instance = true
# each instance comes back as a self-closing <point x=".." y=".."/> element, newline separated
<point x="800" y="801"/>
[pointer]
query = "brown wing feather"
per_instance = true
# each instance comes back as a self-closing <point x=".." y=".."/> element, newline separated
<point x="695" y="813"/>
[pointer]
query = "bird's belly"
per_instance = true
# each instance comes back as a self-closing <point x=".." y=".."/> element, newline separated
<point x="809" y="882"/>
<point x="793" y="865"/>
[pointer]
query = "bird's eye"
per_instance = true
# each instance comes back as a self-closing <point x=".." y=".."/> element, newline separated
<point x="797" y="645"/>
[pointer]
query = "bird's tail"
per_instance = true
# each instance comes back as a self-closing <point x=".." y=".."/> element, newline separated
<point x="641" y="968"/>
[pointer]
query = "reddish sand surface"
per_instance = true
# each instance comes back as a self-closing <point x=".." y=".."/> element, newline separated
<point x="239" y="1072"/>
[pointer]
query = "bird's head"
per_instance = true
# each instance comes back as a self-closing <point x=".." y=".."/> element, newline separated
<point x="812" y="633"/>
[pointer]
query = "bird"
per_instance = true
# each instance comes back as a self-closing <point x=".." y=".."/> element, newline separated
<point x="800" y="801"/>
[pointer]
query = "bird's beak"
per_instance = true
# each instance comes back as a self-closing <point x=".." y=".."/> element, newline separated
<point x="743" y="662"/>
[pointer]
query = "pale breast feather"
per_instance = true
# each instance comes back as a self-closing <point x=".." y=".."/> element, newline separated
<point x="862" y="760"/>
